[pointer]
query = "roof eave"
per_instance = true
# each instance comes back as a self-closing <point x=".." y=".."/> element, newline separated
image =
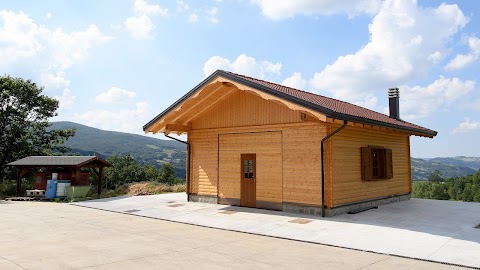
<point x="183" y="98"/>
<point x="299" y="101"/>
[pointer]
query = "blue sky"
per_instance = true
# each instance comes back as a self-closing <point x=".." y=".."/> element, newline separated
<point x="116" y="64"/>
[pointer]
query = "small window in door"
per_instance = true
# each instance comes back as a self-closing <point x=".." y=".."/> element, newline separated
<point x="248" y="169"/>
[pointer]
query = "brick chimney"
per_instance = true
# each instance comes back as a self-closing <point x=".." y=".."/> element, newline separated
<point x="393" y="102"/>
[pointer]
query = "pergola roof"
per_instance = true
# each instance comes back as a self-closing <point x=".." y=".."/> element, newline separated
<point x="73" y="163"/>
<point x="68" y="161"/>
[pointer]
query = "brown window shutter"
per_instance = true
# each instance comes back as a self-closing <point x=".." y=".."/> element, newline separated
<point x="388" y="164"/>
<point x="367" y="170"/>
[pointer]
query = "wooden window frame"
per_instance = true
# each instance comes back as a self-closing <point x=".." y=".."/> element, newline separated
<point x="377" y="163"/>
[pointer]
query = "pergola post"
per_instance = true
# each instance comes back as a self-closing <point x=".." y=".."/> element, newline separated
<point x="77" y="174"/>
<point x="100" y="177"/>
<point x="21" y="172"/>
<point x="19" y="181"/>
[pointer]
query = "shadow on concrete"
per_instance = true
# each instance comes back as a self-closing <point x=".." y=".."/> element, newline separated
<point x="443" y="218"/>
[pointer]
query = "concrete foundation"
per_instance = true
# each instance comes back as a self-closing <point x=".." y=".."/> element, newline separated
<point x="317" y="210"/>
<point x="204" y="199"/>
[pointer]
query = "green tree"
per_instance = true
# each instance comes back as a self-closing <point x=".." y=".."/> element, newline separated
<point x="430" y="190"/>
<point x="124" y="170"/>
<point x="435" y="176"/>
<point x="24" y="114"/>
<point x="167" y="174"/>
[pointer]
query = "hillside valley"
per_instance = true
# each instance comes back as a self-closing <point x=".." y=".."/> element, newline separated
<point x="153" y="151"/>
<point x="145" y="150"/>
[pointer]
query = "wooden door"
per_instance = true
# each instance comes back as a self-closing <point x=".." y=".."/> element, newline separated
<point x="248" y="173"/>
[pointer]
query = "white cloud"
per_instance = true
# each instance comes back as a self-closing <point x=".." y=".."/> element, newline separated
<point x="466" y="126"/>
<point x="115" y="95"/>
<point x="463" y="60"/>
<point x="212" y="15"/>
<point x="244" y="65"/>
<point x="44" y="54"/>
<point x="54" y="81"/>
<point x="436" y="57"/>
<point x="124" y="120"/>
<point x="142" y="8"/>
<point x="370" y="101"/>
<point x="49" y="15"/>
<point x="405" y="42"/>
<point x="66" y="100"/>
<point x="181" y="6"/>
<point x="281" y="9"/>
<point x="193" y="18"/>
<point x="140" y="26"/>
<point x="295" y="81"/>
<point x="417" y="101"/>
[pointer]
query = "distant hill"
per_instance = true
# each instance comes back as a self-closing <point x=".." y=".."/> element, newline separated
<point x="448" y="168"/>
<point x="146" y="150"/>
<point x="470" y="162"/>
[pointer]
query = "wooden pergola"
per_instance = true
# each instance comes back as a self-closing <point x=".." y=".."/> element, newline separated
<point x="72" y="163"/>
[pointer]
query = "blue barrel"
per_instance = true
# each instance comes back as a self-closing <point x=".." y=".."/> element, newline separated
<point x="51" y="191"/>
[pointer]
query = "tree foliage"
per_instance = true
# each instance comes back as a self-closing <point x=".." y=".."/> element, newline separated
<point x="125" y="169"/>
<point x="465" y="188"/>
<point x="167" y="174"/>
<point x="24" y="114"/>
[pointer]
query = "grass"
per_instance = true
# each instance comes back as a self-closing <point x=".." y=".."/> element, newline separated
<point x="130" y="189"/>
<point x="145" y="188"/>
<point x="135" y="189"/>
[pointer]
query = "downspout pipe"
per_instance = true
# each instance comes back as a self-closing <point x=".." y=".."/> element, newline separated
<point x="323" y="165"/>
<point x="188" y="164"/>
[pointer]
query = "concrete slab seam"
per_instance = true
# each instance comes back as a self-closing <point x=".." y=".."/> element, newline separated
<point x="13" y="262"/>
<point x="285" y="238"/>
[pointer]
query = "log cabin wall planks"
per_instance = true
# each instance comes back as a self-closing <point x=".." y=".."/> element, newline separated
<point x="204" y="162"/>
<point x="347" y="184"/>
<point x="287" y="147"/>
<point x="268" y="149"/>
<point x="246" y="109"/>
<point x="288" y="154"/>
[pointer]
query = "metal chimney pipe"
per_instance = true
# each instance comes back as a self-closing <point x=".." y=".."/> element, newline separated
<point x="394" y="102"/>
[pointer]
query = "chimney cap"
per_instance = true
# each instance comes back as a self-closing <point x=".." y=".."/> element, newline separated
<point x="393" y="92"/>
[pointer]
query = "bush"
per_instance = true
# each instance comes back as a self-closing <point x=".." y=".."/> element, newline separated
<point x="8" y="189"/>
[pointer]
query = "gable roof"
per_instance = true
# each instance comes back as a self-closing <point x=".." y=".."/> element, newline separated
<point x="59" y="161"/>
<point x="330" y="107"/>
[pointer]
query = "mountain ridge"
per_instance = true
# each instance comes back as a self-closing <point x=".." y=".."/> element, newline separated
<point x="156" y="151"/>
<point x="104" y="143"/>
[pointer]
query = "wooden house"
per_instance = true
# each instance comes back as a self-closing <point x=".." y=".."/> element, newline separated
<point x="258" y="144"/>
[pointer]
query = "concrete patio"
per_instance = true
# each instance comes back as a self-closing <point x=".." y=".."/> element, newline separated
<point x="50" y="236"/>
<point x="440" y="231"/>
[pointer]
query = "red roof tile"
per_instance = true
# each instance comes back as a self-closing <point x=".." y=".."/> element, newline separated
<point x="337" y="106"/>
<point x="332" y="108"/>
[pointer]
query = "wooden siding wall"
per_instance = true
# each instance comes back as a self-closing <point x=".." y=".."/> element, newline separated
<point x="300" y="155"/>
<point x="345" y="164"/>
<point x="246" y="109"/>
<point x="204" y="162"/>
<point x="268" y="148"/>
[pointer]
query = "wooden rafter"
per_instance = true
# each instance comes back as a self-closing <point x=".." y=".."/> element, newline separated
<point x="182" y="110"/>
<point x="177" y="128"/>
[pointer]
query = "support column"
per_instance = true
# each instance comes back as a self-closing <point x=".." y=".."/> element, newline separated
<point x="77" y="174"/>
<point x="19" y="181"/>
<point x="100" y="178"/>
<point x="21" y="172"/>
